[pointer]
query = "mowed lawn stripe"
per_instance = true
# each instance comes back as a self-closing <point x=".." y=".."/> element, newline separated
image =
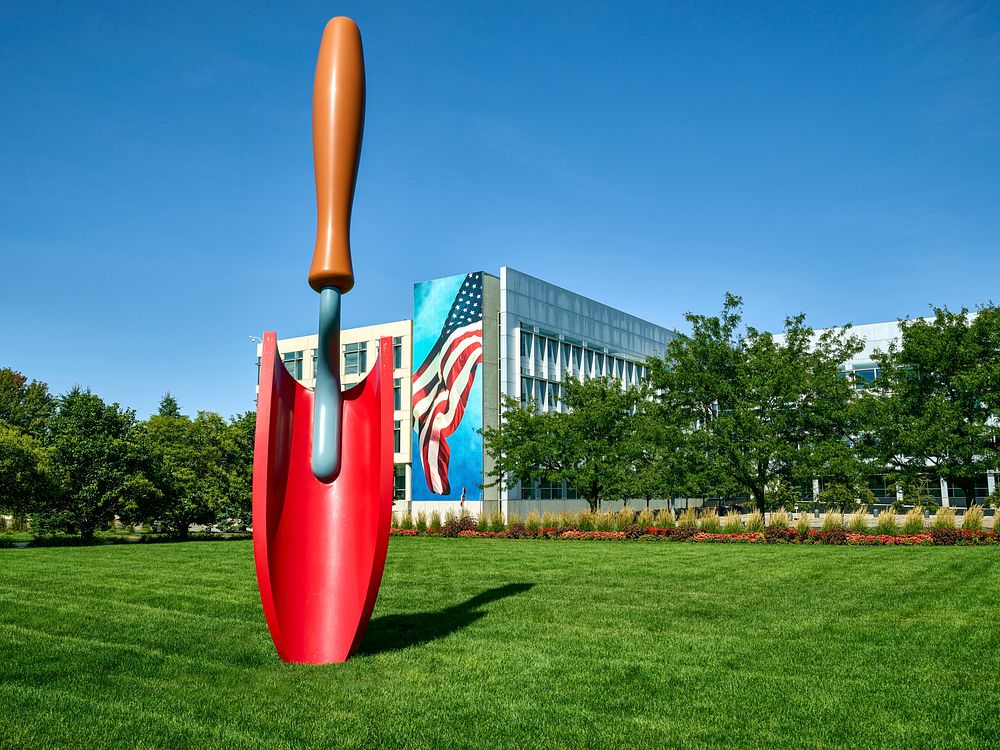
<point x="512" y="644"/>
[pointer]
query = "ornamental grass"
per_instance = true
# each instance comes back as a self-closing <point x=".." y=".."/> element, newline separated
<point x="858" y="522"/>
<point x="688" y="519"/>
<point x="496" y="522"/>
<point x="665" y="519"/>
<point x="780" y="519"/>
<point x="421" y="524"/>
<point x="434" y="524"/>
<point x="944" y="519"/>
<point x="913" y="521"/>
<point x="604" y="521"/>
<point x="755" y="523"/>
<point x="482" y="523"/>
<point x="622" y="518"/>
<point x="802" y="525"/>
<point x="973" y="519"/>
<point x="533" y="522"/>
<point x="732" y="523"/>
<point x="406" y="522"/>
<point x="585" y="521"/>
<point x="832" y="519"/>
<point x="550" y="520"/>
<point x="708" y="521"/>
<point x="645" y="518"/>
<point x="885" y="523"/>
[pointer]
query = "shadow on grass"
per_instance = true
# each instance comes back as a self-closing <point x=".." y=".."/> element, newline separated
<point x="396" y="632"/>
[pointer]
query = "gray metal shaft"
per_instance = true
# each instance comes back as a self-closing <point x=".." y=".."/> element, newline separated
<point x="327" y="402"/>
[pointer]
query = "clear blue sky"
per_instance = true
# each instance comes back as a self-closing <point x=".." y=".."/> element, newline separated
<point x="156" y="195"/>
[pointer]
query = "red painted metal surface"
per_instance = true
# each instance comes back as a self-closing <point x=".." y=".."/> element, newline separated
<point x="320" y="548"/>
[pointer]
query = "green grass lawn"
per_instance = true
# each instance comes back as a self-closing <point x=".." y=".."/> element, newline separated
<point x="512" y="644"/>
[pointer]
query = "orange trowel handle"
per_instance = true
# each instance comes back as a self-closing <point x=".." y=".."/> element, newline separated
<point x="338" y="123"/>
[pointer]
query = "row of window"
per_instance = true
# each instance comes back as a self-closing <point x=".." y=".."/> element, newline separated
<point x="556" y="357"/>
<point x="355" y="356"/>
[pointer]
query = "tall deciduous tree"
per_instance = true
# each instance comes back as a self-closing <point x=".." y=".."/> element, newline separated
<point x="94" y="457"/>
<point x="589" y="446"/>
<point x="26" y="479"/>
<point x="935" y="404"/>
<point x="188" y="460"/>
<point x="238" y="452"/>
<point x="759" y="409"/>
<point x="26" y="406"/>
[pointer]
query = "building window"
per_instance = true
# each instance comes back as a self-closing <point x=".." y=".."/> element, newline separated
<point x="397" y="393"/>
<point x="397" y="353"/>
<point x="396" y="430"/>
<point x="550" y="490"/>
<point x="550" y="352"/>
<point x="576" y="359"/>
<point x="399" y="488"/>
<point x="525" y="391"/>
<point x="550" y="395"/>
<point x="589" y="356"/>
<point x="355" y="358"/>
<point x="258" y="370"/>
<point x="564" y="362"/>
<point x="293" y="363"/>
<point x="525" y="344"/>
<point x="315" y="359"/>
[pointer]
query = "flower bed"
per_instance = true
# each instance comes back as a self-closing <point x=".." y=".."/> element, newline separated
<point x="773" y="535"/>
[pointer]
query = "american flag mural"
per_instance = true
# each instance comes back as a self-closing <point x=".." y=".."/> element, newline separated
<point x="443" y="382"/>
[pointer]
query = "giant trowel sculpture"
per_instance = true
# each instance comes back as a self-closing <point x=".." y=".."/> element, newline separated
<point x="323" y="473"/>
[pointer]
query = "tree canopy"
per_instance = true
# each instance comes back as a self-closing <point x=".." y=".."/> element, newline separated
<point x="934" y="406"/>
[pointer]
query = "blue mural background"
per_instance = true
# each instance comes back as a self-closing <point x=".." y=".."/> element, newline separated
<point x="431" y="303"/>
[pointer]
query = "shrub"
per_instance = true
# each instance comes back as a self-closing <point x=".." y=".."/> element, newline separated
<point x="973" y="519"/>
<point x="836" y="535"/>
<point x="688" y="519"/>
<point x="776" y="533"/>
<point x="755" y="522"/>
<point x="943" y="535"/>
<point x="457" y="524"/>
<point x="665" y="519"/>
<point x="645" y="518"/>
<point x="434" y="525"/>
<point x="833" y="520"/>
<point x="943" y="519"/>
<point x="682" y="533"/>
<point x="406" y="522"/>
<point x="780" y="519"/>
<point x="633" y="531"/>
<point x="709" y="521"/>
<point x="802" y="526"/>
<point x="516" y="530"/>
<point x="421" y="521"/>
<point x="857" y="521"/>
<point x="732" y="523"/>
<point x="885" y="524"/>
<point x="496" y="522"/>
<point x="913" y="521"/>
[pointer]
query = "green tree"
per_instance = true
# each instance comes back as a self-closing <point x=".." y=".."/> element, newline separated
<point x="95" y="460"/>
<point x="935" y="403"/>
<point x="169" y="406"/>
<point x="759" y="409"/>
<point x="236" y="509"/>
<point x="27" y="406"/>
<point x="588" y="446"/>
<point x="26" y="479"/>
<point x="188" y="470"/>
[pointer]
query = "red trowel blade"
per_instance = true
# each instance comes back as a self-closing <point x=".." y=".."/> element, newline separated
<point x="320" y="548"/>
